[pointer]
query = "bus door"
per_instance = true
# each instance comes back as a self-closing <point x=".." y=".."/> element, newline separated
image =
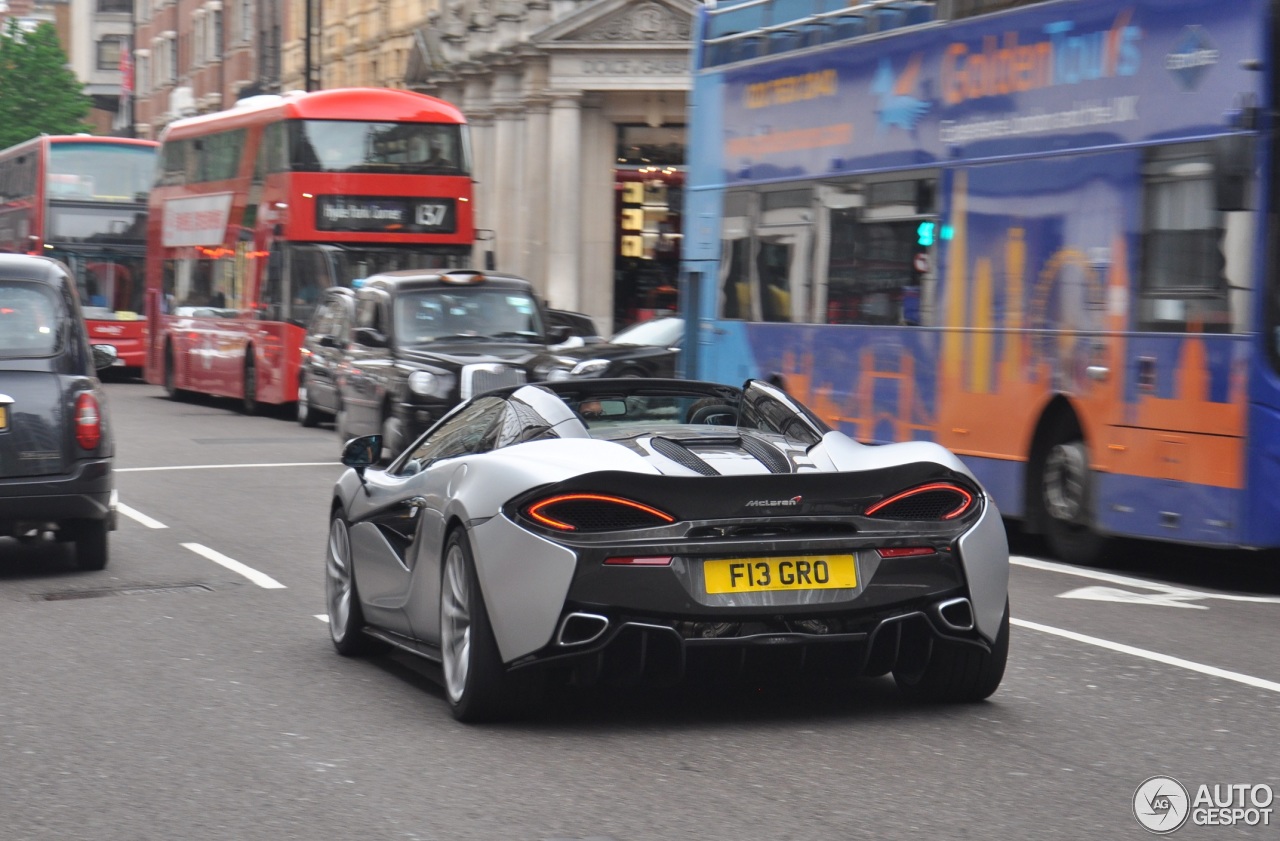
<point x="783" y="256"/>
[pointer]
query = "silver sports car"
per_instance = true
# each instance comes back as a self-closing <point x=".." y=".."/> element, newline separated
<point x="641" y="530"/>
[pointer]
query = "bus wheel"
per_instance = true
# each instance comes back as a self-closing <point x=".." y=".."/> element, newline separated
<point x="250" y="385"/>
<point x="306" y="412"/>
<point x="1066" y="493"/>
<point x="170" y="390"/>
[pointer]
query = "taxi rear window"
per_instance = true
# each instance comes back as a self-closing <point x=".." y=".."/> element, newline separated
<point x="32" y="319"/>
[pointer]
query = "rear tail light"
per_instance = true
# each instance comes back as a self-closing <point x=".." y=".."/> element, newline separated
<point x="594" y="512"/>
<point x="907" y="552"/>
<point x="88" y="422"/>
<point x="934" y="501"/>
<point x="640" y="560"/>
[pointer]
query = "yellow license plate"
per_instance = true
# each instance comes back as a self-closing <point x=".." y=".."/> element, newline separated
<point x="4" y="417"/>
<point x="808" y="572"/>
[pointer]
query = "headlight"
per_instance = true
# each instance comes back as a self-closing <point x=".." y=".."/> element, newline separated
<point x="431" y="383"/>
<point x="590" y="368"/>
<point x="553" y="370"/>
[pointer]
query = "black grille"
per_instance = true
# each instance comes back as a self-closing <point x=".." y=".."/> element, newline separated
<point x="932" y="504"/>
<point x="681" y="454"/>
<point x="598" y="515"/>
<point x="767" y="455"/>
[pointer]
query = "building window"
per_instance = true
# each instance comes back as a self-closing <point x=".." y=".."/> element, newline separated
<point x="142" y="72"/>
<point x="122" y="7"/>
<point x="246" y="22"/>
<point x="172" y="63"/>
<point x="215" y="32"/>
<point x="109" y="50"/>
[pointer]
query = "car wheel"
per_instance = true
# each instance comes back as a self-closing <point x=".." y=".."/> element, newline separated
<point x="1066" y="484"/>
<point x="250" y="384"/>
<point x="955" y="672"/>
<point x="307" y="415"/>
<point x="346" y="619"/>
<point x="475" y="682"/>
<point x="91" y="545"/>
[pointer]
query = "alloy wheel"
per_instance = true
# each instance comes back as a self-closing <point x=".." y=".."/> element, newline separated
<point x="338" y="579"/>
<point x="455" y="620"/>
<point x="1065" y="481"/>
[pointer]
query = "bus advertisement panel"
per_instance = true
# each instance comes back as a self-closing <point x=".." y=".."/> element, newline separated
<point x="258" y="209"/>
<point x="83" y="200"/>
<point x="1034" y="236"/>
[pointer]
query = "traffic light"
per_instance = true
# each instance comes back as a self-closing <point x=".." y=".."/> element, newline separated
<point x="926" y="233"/>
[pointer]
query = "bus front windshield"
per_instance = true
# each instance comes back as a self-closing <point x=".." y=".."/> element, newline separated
<point x="357" y="146"/>
<point x="100" y="172"/>
<point x="314" y="267"/>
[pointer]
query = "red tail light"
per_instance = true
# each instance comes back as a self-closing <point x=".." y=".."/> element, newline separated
<point x="907" y="552"/>
<point x="88" y="422"/>
<point x="934" y="501"/>
<point x="595" y="512"/>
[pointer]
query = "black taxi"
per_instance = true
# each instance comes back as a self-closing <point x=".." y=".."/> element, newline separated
<point x="55" y="440"/>
<point x="423" y="341"/>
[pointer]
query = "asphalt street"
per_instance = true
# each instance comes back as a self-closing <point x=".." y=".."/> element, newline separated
<point x="190" y="691"/>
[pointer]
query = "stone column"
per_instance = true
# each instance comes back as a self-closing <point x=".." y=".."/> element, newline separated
<point x="477" y="105"/>
<point x="565" y="236"/>
<point x="536" y="204"/>
<point x="599" y="222"/>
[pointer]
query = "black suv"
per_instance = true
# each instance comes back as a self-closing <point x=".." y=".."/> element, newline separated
<point x="423" y="341"/>
<point x="55" y="441"/>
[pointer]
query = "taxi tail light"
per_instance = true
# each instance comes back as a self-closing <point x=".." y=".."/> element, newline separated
<point x="88" y="422"/>
<point x="586" y="512"/>
<point x="933" y="501"/>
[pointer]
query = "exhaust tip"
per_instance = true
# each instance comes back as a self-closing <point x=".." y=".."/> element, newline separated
<point x="581" y="628"/>
<point x="955" y="614"/>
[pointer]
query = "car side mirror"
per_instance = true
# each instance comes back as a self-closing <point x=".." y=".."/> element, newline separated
<point x="104" y="356"/>
<point x="368" y="337"/>
<point x="362" y="453"/>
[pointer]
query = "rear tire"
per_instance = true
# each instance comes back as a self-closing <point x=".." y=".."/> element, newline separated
<point x="477" y="685"/>
<point x="346" y="619"/>
<point x="91" y="545"/>
<point x="250" y="384"/>
<point x="171" y="390"/>
<point x="956" y="672"/>
<point x="307" y="415"/>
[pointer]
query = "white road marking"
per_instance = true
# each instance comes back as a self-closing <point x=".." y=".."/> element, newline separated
<point x="1114" y="594"/>
<point x="134" y="514"/>
<point x="1112" y="578"/>
<point x="323" y="617"/>
<point x="1213" y="671"/>
<point x="259" y="578"/>
<point x="228" y="466"/>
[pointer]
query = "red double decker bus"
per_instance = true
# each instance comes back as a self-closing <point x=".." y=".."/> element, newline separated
<point x="83" y="200"/>
<point x="258" y="209"/>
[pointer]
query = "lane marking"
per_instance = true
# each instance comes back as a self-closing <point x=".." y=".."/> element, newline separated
<point x="259" y="578"/>
<point x="1112" y="578"/>
<point x="1213" y="671"/>
<point x="134" y="514"/>
<point x="229" y="466"/>
<point x="1114" y="594"/>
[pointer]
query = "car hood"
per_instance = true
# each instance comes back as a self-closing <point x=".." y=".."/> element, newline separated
<point x="36" y="440"/>
<point x="606" y="350"/>
<point x="452" y="355"/>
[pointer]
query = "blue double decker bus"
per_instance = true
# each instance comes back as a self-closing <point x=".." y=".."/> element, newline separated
<point x="1039" y="232"/>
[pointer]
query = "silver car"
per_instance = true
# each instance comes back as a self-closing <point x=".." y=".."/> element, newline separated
<point x="641" y="530"/>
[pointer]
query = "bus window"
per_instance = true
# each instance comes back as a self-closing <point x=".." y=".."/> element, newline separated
<point x="1184" y="268"/>
<point x="310" y="273"/>
<point x="876" y="254"/>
